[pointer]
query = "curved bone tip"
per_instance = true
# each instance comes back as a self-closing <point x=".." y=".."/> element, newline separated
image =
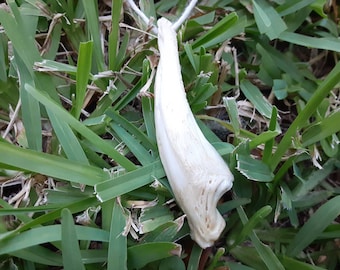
<point x="205" y="221"/>
<point x="207" y="237"/>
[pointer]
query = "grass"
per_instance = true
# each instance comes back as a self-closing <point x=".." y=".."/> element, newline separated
<point x="81" y="184"/>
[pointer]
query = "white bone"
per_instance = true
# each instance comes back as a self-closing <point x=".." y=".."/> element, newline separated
<point x="196" y="172"/>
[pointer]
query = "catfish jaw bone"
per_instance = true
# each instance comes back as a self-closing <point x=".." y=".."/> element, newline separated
<point x="197" y="174"/>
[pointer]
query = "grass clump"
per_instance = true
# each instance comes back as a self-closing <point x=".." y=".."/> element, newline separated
<point x="82" y="186"/>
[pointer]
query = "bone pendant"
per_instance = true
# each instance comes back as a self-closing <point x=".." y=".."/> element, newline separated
<point x="196" y="172"/>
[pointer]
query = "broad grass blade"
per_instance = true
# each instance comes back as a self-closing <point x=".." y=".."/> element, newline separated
<point x="317" y="223"/>
<point x="117" y="252"/>
<point x="69" y="243"/>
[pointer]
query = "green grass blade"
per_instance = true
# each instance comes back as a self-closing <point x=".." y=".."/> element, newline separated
<point x="29" y="106"/>
<point x="26" y="210"/>
<point x="273" y="126"/>
<point x="3" y="57"/>
<point x="140" y="255"/>
<point x="221" y="31"/>
<point x="238" y="266"/>
<point x="290" y="263"/>
<point x="253" y="169"/>
<point x="231" y="106"/>
<point x="243" y="132"/>
<point x="291" y="6"/>
<point x="172" y="263"/>
<point x="31" y="117"/>
<point x="47" y="65"/>
<point x="129" y="181"/>
<point x="142" y="154"/>
<point x="115" y="33"/>
<point x="128" y="97"/>
<point x="55" y="42"/>
<point x="331" y="44"/>
<point x="195" y="257"/>
<point x="248" y="256"/>
<point x="230" y="205"/>
<point x="50" y="165"/>
<point x="264" y="137"/>
<point x="75" y="207"/>
<point x="268" y="20"/>
<point x="315" y="177"/>
<point x="254" y="95"/>
<point x="193" y="59"/>
<point x="148" y="7"/>
<point x="164" y="233"/>
<point x="48" y="234"/>
<point x="20" y="35"/>
<point x="7" y="209"/>
<point x="69" y="242"/>
<point x="149" y="122"/>
<point x="264" y="251"/>
<point x="123" y="50"/>
<point x="317" y="223"/>
<point x="323" y="90"/>
<point x="251" y="224"/>
<point x="321" y="130"/>
<point x="82" y="76"/>
<point x="98" y="142"/>
<point x="92" y="256"/>
<point x="21" y="30"/>
<point x="68" y="140"/>
<point x="153" y="217"/>
<point x="91" y="13"/>
<point x="117" y="252"/>
<point x="132" y="129"/>
<point x="38" y="254"/>
<point x="278" y="61"/>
